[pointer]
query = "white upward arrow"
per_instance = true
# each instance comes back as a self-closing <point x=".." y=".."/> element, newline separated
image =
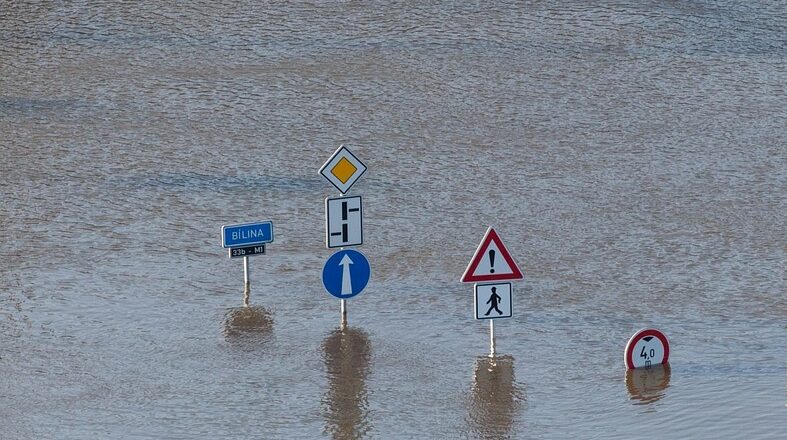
<point x="347" y="286"/>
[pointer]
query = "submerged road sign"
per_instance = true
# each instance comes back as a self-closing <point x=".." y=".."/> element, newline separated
<point x="346" y="274"/>
<point x="491" y="261"/>
<point x="244" y="240"/>
<point x="343" y="221"/>
<point x="648" y="347"/>
<point x="343" y="169"/>
<point x="247" y="234"/>
<point x="493" y="301"/>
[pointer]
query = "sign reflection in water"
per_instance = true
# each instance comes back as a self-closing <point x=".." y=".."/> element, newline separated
<point x="647" y="385"/>
<point x="347" y="353"/>
<point x="245" y="322"/>
<point x="495" y="398"/>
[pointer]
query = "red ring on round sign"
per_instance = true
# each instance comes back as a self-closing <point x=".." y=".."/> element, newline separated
<point x="629" y="354"/>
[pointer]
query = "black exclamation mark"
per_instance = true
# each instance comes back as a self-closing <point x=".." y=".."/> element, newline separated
<point x="491" y="261"/>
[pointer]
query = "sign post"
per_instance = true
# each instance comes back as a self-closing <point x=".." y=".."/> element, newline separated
<point x="492" y="262"/>
<point x="343" y="215"/>
<point x="243" y="240"/>
<point x="492" y="338"/>
<point x="246" y="282"/>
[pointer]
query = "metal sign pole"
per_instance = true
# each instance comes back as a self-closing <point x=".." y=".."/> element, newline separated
<point x="491" y="338"/>
<point x="344" y="314"/>
<point x="246" y="282"/>
<point x="343" y="322"/>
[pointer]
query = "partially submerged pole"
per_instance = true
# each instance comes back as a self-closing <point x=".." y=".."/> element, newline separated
<point x="344" y="314"/>
<point x="246" y="282"/>
<point x="343" y="321"/>
<point x="491" y="338"/>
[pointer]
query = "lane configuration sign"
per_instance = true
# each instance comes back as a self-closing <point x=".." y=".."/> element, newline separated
<point x="343" y="221"/>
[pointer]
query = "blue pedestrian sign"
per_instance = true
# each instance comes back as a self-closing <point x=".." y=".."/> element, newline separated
<point x="246" y="234"/>
<point x="346" y="273"/>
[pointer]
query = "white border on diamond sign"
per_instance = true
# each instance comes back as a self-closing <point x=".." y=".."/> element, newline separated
<point x="328" y="222"/>
<point x="510" y="300"/>
<point x="342" y="152"/>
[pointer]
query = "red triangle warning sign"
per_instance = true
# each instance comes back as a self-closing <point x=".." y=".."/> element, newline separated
<point x="491" y="261"/>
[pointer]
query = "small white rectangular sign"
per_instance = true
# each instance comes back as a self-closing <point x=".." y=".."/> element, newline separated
<point x="493" y="301"/>
<point x="343" y="221"/>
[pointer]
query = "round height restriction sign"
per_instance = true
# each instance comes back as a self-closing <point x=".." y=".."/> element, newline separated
<point x="646" y="348"/>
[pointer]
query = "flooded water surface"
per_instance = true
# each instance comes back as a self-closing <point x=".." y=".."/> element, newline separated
<point x="631" y="155"/>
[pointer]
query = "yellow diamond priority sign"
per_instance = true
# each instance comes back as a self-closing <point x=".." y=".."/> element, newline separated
<point x="343" y="169"/>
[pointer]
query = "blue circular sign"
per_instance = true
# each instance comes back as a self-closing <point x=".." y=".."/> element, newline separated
<point x="346" y="274"/>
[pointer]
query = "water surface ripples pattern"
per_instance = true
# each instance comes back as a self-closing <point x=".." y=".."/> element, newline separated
<point x="631" y="154"/>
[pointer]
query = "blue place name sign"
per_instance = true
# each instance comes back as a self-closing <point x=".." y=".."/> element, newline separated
<point x="247" y="234"/>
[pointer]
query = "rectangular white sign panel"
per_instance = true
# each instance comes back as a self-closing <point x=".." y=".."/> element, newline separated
<point x="343" y="221"/>
<point x="493" y="301"/>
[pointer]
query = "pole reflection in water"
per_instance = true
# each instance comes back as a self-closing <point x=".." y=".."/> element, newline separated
<point x="347" y="353"/>
<point x="647" y="385"/>
<point x="247" y="323"/>
<point x="495" y="398"/>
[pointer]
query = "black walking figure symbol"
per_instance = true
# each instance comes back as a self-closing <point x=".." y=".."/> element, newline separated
<point x="494" y="299"/>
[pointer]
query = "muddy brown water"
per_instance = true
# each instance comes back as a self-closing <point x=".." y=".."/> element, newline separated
<point x="632" y="155"/>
